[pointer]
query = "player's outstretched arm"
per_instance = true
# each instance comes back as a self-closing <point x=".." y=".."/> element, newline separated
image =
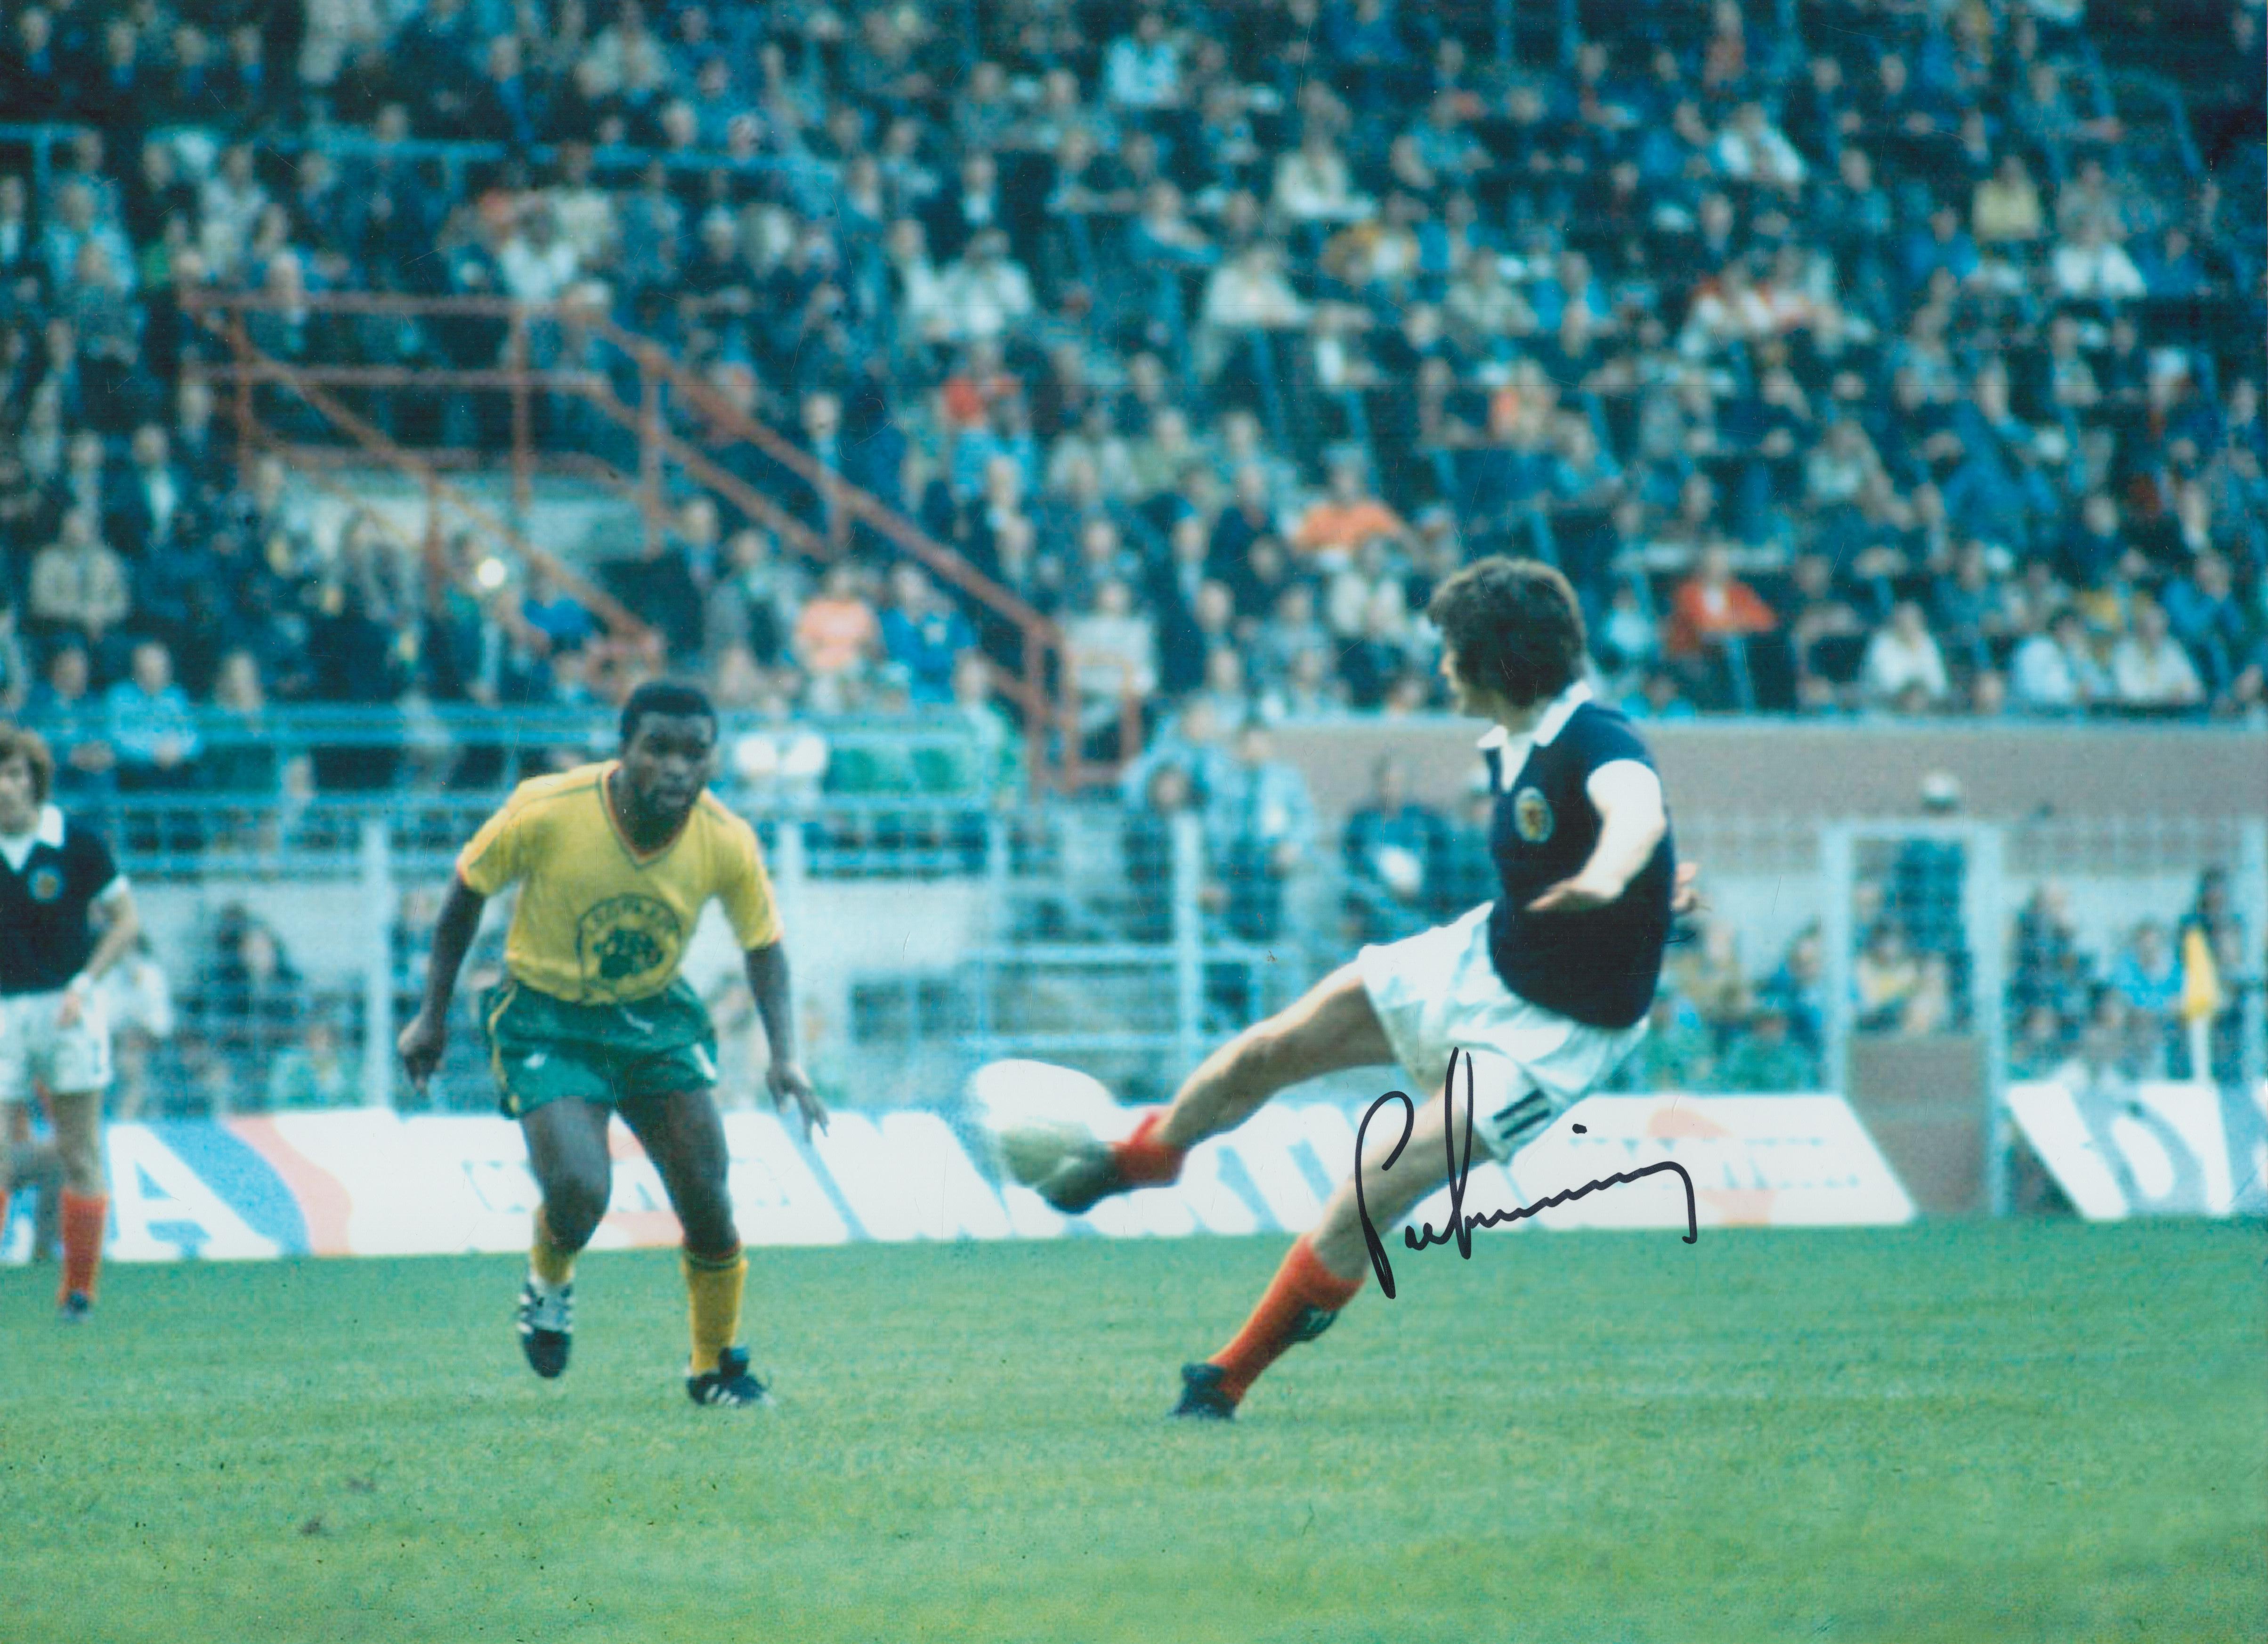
<point x="1631" y="821"/>
<point x="427" y="1036"/>
<point x="768" y="981"/>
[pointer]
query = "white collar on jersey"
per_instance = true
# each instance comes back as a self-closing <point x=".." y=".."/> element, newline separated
<point x="16" y="848"/>
<point x="1553" y="721"/>
<point x="49" y="830"/>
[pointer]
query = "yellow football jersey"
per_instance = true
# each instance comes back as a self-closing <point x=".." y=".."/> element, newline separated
<point x="597" y="923"/>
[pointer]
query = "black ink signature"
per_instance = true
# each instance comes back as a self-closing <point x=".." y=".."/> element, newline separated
<point x="1461" y="1227"/>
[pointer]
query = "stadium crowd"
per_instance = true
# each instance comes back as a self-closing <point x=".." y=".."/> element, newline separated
<point x="1886" y="365"/>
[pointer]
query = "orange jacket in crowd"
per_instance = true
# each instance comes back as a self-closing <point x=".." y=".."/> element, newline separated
<point x="1701" y="613"/>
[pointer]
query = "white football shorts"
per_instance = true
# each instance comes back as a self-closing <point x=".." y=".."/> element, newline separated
<point x="1437" y="991"/>
<point x="68" y="1061"/>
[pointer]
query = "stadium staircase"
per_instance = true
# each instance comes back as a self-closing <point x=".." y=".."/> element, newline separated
<point x="580" y="428"/>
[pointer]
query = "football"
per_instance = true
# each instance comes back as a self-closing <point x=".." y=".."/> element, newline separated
<point x="1032" y="1116"/>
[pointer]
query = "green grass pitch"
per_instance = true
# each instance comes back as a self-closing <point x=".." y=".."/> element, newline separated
<point x="2039" y="1432"/>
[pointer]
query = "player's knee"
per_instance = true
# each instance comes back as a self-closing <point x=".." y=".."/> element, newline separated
<point x="711" y="1232"/>
<point x="706" y="1214"/>
<point x="82" y="1168"/>
<point x="572" y="1211"/>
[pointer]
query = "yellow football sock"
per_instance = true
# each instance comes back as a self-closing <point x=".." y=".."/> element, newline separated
<point x="712" y="1290"/>
<point x="551" y="1263"/>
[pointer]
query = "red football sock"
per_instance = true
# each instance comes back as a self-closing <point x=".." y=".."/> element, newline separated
<point x="1142" y="1158"/>
<point x="4" y="1201"/>
<point x="85" y="1215"/>
<point x="1301" y="1283"/>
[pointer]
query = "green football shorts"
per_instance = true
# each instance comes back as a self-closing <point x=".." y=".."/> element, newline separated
<point x="544" y="1049"/>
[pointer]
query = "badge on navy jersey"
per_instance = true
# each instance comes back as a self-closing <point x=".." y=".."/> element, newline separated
<point x="1531" y="814"/>
<point x="46" y="884"/>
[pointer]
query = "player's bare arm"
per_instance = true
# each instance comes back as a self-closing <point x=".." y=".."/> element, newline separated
<point x="123" y="925"/>
<point x="427" y="1036"/>
<point x="1631" y="821"/>
<point x="784" y="1078"/>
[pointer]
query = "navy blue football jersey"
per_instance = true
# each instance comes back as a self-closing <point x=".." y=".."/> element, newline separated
<point x="1600" y="966"/>
<point x="45" y="934"/>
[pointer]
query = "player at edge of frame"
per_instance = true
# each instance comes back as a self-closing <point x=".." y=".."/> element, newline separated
<point x="56" y="878"/>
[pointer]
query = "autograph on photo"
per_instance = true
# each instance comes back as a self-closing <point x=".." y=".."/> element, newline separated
<point x="1460" y="1227"/>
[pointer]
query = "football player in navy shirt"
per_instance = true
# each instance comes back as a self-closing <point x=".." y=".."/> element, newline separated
<point x="54" y="875"/>
<point x="1554" y="977"/>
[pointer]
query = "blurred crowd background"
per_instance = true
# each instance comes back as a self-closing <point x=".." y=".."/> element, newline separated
<point x="1850" y="357"/>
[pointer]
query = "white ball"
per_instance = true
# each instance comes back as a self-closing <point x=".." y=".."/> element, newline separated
<point x="1034" y="1115"/>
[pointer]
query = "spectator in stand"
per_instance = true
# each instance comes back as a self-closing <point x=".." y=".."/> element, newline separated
<point x="837" y="635"/>
<point x="1146" y="847"/>
<point x="1114" y="661"/>
<point x="1396" y="849"/>
<point x="1142" y="71"/>
<point x="241" y="758"/>
<point x="1711" y="978"/>
<point x="1261" y="824"/>
<point x="1712" y="605"/>
<point x="2147" y="976"/>
<point x="317" y="1072"/>
<point x="1903" y="662"/>
<point x="1969" y="607"/>
<point x="2005" y="209"/>
<point x="1679" y="1051"/>
<point x="1660" y="695"/>
<point x="250" y="996"/>
<point x="63" y="708"/>
<point x="1766" y="1057"/>
<point x="926" y="634"/>
<point x="989" y="763"/>
<point x="1314" y="183"/>
<point x="2055" y="671"/>
<point x="2149" y="668"/>
<point x="151" y="726"/>
<point x="2090" y="264"/>
<point x="2041" y="1044"/>
<point x="78" y="585"/>
<point x="1886" y="978"/>
<point x="15" y="670"/>
<point x="983" y="293"/>
<point x="2214" y="954"/>
<point x="2202" y="610"/>
<point x="1348" y="516"/>
<point x="1751" y="149"/>
<point x="1797" y="989"/>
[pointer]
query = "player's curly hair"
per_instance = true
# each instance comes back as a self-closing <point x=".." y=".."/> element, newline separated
<point x="669" y="699"/>
<point x="1515" y="625"/>
<point x="17" y="742"/>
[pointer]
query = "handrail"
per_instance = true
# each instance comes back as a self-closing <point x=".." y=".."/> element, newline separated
<point x="253" y="367"/>
<point x="428" y="724"/>
<point x="452" y="152"/>
<point x="1041" y="634"/>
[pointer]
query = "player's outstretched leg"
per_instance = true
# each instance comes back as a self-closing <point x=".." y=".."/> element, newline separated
<point x="1328" y="1029"/>
<point x="85" y="1205"/>
<point x="1325" y="1267"/>
<point x="567" y="1149"/>
<point x="683" y="1135"/>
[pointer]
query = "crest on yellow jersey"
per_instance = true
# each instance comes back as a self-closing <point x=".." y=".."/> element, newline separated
<point x="623" y="942"/>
